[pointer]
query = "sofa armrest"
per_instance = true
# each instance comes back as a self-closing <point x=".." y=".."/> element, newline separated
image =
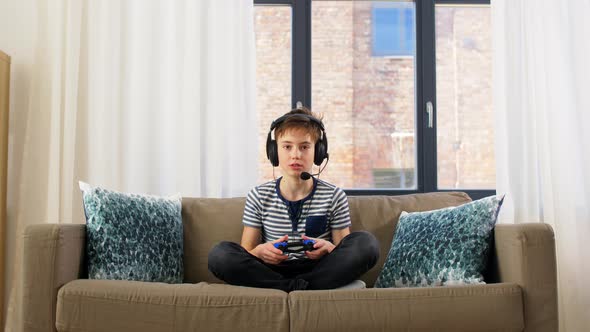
<point x="525" y="254"/>
<point x="53" y="255"/>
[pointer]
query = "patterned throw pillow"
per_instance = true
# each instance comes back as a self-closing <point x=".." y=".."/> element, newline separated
<point x="133" y="237"/>
<point x="441" y="247"/>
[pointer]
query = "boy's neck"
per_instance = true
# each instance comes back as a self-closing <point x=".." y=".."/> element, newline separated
<point x="295" y="189"/>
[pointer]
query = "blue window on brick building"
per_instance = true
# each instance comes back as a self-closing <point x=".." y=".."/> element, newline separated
<point x="393" y="29"/>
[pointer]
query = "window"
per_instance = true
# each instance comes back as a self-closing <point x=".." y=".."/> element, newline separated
<point x="370" y="99"/>
<point x="403" y="86"/>
<point x="393" y="32"/>
<point x="273" y="37"/>
<point x="464" y="140"/>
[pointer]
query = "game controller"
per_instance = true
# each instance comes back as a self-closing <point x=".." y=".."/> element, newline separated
<point x="285" y="246"/>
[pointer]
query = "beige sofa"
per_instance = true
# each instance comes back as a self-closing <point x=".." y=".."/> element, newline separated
<point x="520" y="295"/>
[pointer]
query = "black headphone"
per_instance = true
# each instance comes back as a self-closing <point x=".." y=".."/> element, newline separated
<point x="321" y="146"/>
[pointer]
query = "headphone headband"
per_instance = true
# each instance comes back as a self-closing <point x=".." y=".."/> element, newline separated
<point x="305" y="117"/>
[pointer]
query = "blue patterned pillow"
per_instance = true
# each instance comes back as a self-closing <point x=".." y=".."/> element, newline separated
<point x="133" y="237"/>
<point x="441" y="247"/>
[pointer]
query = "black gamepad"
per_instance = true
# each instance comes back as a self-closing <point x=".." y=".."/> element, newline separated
<point x="285" y="246"/>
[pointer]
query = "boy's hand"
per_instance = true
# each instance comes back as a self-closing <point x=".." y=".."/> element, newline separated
<point x="322" y="247"/>
<point x="268" y="253"/>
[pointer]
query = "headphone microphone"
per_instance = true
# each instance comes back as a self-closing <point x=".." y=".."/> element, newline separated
<point x="307" y="176"/>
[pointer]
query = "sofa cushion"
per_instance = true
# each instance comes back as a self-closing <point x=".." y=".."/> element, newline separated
<point x="493" y="307"/>
<point x="206" y="222"/>
<point x="442" y="247"/>
<point x="133" y="237"/>
<point x="379" y="215"/>
<point x="109" y="305"/>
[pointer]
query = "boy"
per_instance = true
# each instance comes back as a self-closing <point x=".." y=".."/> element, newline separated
<point x="294" y="210"/>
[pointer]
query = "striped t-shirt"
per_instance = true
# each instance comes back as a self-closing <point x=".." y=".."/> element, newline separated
<point x="324" y="209"/>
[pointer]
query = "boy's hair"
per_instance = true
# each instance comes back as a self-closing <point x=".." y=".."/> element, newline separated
<point x="301" y="122"/>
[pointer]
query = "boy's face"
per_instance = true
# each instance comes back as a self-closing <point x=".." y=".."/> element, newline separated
<point x="296" y="151"/>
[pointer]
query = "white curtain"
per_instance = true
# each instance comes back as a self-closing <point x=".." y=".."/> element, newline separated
<point x="139" y="96"/>
<point x="542" y="100"/>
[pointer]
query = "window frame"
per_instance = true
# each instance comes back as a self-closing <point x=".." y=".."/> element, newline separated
<point x="426" y="139"/>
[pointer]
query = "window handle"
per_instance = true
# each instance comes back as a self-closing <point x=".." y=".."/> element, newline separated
<point x="430" y="112"/>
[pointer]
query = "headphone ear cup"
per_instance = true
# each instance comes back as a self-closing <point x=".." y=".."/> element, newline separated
<point x="271" y="151"/>
<point x="274" y="156"/>
<point x="321" y="150"/>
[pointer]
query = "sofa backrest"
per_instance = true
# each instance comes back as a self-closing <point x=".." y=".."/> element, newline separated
<point x="207" y="221"/>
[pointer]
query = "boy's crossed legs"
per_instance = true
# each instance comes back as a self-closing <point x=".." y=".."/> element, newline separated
<point x="355" y="254"/>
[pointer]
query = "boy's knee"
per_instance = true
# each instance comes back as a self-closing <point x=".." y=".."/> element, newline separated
<point x="219" y="254"/>
<point x="367" y="245"/>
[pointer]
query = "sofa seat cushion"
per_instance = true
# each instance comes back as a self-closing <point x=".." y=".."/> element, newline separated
<point x="109" y="305"/>
<point x="491" y="307"/>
